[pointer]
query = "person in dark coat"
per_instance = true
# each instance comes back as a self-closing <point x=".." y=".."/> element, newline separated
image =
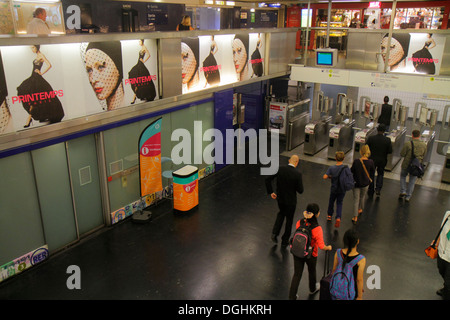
<point x="288" y="184"/>
<point x="386" y="112"/>
<point x="380" y="146"/>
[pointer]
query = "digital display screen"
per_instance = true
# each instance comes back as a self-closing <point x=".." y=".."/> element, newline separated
<point x="325" y="58"/>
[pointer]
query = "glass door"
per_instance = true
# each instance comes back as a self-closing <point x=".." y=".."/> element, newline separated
<point x="82" y="159"/>
<point x="55" y="196"/>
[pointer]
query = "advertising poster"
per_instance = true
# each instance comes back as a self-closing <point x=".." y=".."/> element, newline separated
<point x="257" y="43"/>
<point x="140" y="66"/>
<point x="35" y="85"/>
<point x="6" y="124"/>
<point x="6" y="20"/>
<point x="103" y="64"/>
<point x="150" y="159"/>
<point x="413" y="53"/>
<point x="209" y="61"/>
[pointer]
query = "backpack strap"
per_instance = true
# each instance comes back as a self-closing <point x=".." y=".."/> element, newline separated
<point x="338" y="253"/>
<point x="412" y="151"/>
<point x="362" y="162"/>
<point x="355" y="260"/>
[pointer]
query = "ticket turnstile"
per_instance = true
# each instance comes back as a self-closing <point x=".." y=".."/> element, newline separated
<point x="444" y="144"/>
<point x="297" y="119"/>
<point x="316" y="135"/>
<point x="341" y="138"/>
<point x="397" y="134"/>
<point x="397" y="137"/>
<point x="316" y="131"/>
<point x="341" y="135"/>
<point x="369" y="113"/>
<point x="425" y="120"/>
<point x="361" y="137"/>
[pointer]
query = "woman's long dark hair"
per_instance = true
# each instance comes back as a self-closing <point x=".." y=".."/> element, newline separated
<point x="350" y="241"/>
<point x="313" y="208"/>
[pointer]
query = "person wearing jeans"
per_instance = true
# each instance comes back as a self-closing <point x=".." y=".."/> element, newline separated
<point x="420" y="149"/>
<point x="363" y="169"/>
<point x="336" y="194"/>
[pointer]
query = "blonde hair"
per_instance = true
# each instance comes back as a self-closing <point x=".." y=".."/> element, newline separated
<point x="186" y="21"/>
<point x="364" y="151"/>
<point x="340" y="156"/>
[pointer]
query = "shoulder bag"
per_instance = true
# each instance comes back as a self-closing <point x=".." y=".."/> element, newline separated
<point x="362" y="162"/>
<point x="431" y="251"/>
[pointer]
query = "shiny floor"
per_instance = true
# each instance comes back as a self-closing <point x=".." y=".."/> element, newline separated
<point x="223" y="251"/>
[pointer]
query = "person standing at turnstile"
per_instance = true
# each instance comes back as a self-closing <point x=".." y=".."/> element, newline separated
<point x="385" y="115"/>
<point x="380" y="146"/>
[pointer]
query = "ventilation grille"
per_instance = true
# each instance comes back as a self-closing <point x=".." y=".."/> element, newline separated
<point x="85" y="175"/>
<point x="116" y="167"/>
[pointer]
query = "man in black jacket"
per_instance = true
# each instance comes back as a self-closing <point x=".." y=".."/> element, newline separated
<point x="386" y="112"/>
<point x="380" y="146"/>
<point x="289" y="183"/>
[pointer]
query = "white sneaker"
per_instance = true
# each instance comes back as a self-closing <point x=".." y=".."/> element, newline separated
<point x="317" y="289"/>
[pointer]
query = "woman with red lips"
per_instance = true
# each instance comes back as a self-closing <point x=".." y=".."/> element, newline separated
<point x="103" y="61"/>
<point x="240" y="56"/>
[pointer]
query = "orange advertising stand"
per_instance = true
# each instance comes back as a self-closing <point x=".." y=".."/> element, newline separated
<point x="185" y="188"/>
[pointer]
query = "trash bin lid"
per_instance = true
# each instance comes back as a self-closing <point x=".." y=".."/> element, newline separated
<point x="185" y="171"/>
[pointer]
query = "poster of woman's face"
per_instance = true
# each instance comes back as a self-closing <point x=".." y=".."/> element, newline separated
<point x="103" y="65"/>
<point x="220" y="60"/>
<point x="412" y="53"/>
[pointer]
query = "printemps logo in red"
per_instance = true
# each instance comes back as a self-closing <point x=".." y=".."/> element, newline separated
<point x="190" y="187"/>
<point x="152" y="147"/>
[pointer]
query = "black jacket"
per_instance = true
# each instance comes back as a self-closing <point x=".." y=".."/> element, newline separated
<point x="289" y="183"/>
<point x="385" y="116"/>
<point x="380" y="146"/>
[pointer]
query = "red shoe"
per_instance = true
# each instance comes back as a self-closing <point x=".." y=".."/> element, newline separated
<point x="338" y="223"/>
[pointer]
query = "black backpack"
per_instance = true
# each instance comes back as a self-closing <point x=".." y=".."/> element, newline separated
<point x="301" y="241"/>
<point x="415" y="168"/>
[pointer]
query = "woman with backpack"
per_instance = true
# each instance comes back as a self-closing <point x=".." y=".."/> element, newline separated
<point x="315" y="232"/>
<point x="347" y="281"/>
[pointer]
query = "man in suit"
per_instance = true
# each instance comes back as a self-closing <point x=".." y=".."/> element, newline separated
<point x="380" y="146"/>
<point x="288" y="184"/>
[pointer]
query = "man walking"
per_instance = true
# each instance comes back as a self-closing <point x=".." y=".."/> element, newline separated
<point x="288" y="184"/>
<point x="380" y="146"/>
<point x="420" y="149"/>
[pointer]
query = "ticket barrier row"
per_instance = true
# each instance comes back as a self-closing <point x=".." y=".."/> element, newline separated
<point x="343" y="135"/>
